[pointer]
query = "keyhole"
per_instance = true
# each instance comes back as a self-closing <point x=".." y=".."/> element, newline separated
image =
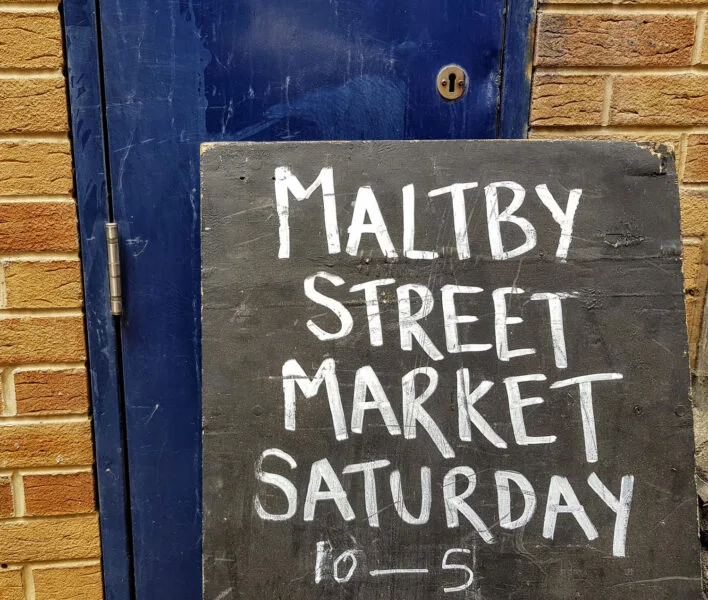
<point x="451" y="80"/>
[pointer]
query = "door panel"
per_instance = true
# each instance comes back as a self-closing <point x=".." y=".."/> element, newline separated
<point x="181" y="72"/>
<point x="348" y="69"/>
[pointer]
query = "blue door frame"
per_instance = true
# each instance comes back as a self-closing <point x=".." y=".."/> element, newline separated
<point x="149" y="474"/>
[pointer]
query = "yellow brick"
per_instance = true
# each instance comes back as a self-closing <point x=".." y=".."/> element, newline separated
<point x="76" y="583"/>
<point x="25" y="340"/>
<point x="673" y="100"/>
<point x="691" y="266"/>
<point x="694" y="212"/>
<point x="35" y="168"/>
<point x="32" y="105"/>
<point x="567" y="100"/>
<point x="30" y="40"/>
<point x="45" y="444"/>
<point x="7" y="508"/>
<point x="696" y="170"/>
<point x="42" y="284"/>
<point x="59" y="494"/>
<point x="690" y="310"/>
<point x="614" y="39"/>
<point x="38" y="226"/>
<point x="670" y="140"/>
<point x="694" y="307"/>
<point x="51" y="392"/>
<point x="11" y="585"/>
<point x="54" y="538"/>
<point x="666" y="3"/>
<point x="694" y="295"/>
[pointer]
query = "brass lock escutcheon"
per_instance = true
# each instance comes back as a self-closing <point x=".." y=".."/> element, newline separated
<point x="451" y="82"/>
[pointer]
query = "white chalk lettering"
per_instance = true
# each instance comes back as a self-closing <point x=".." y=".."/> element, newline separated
<point x="409" y="228"/>
<point x="414" y="413"/>
<point x="425" y="497"/>
<point x="373" y="312"/>
<point x="368" y="468"/>
<point x="345" y="318"/>
<point x="563" y="218"/>
<point x="366" y="204"/>
<point x="448" y="566"/>
<point x="293" y="374"/>
<point x="555" y="310"/>
<point x="619" y="506"/>
<point x="502" y="479"/>
<point x="495" y="218"/>
<point x="455" y="504"/>
<point x="467" y="413"/>
<point x="349" y="555"/>
<point x="516" y="410"/>
<point x="286" y="182"/>
<point x="502" y="321"/>
<point x="322" y="472"/>
<point x="459" y="214"/>
<point x="408" y="323"/>
<point x="452" y="319"/>
<point x="366" y="381"/>
<point x="284" y="484"/>
<point x="322" y="560"/>
<point x="560" y="488"/>
<point x="587" y="411"/>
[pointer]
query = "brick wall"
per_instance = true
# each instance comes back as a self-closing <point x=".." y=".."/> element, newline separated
<point x="633" y="71"/>
<point x="49" y="540"/>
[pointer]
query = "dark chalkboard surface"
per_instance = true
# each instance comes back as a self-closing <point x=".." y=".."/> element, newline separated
<point x="445" y="370"/>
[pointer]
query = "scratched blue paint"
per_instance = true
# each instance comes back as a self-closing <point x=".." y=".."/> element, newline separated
<point x="153" y="64"/>
<point x="81" y="39"/>
<point x="349" y="69"/>
<point x="180" y="72"/>
<point x="518" y="54"/>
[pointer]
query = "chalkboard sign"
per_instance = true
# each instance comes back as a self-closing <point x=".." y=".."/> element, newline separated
<point x="445" y="369"/>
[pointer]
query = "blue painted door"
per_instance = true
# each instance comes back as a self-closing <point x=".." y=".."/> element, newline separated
<point x="180" y="72"/>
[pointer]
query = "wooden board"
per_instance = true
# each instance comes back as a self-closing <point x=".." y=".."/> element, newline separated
<point x="504" y="415"/>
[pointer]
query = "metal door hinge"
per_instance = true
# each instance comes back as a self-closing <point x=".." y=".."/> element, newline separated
<point x="114" y="269"/>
